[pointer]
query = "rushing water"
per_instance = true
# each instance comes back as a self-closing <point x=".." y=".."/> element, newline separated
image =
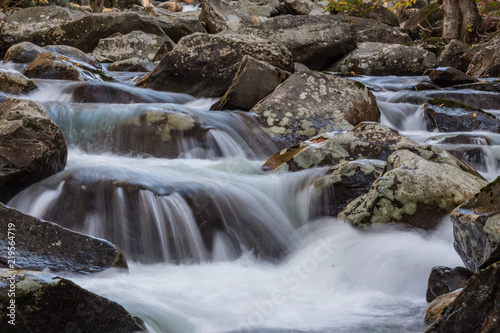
<point x="217" y="245"/>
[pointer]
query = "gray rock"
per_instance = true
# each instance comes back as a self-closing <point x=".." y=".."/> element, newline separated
<point x="178" y="25"/>
<point x="24" y="52"/>
<point x="205" y="65"/>
<point x="31" y="146"/>
<point x="218" y="16"/>
<point x="74" y="53"/>
<point x="298" y="7"/>
<point x="377" y="13"/>
<point x="170" y="6"/>
<point x="386" y="59"/>
<point x="430" y="17"/>
<point x="260" y="9"/>
<point x="486" y="61"/>
<point x="443" y="280"/>
<point x="244" y="93"/>
<point x="452" y="55"/>
<point x="12" y="82"/>
<point x="45" y="245"/>
<point x="450" y="77"/>
<point x="132" y="65"/>
<point x="309" y="103"/>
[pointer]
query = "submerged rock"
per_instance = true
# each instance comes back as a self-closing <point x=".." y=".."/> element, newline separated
<point x="31" y="146"/>
<point x="309" y="103"/>
<point x="47" y="303"/>
<point x="12" y="82"/>
<point x="44" y="245"/>
<point x="443" y="280"/>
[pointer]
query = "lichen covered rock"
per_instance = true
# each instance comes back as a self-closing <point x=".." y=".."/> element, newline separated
<point x="12" y="82"/>
<point x="219" y="15"/>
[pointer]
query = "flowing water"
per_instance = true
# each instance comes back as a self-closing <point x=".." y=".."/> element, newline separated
<point x="214" y="243"/>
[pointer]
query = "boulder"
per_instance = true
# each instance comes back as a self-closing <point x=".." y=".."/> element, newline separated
<point x="297" y="7"/>
<point x="12" y="82"/>
<point x="132" y="65"/>
<point x="481" y="86"/>
<point x="24" y="52"/>
<point x="136" y="44"/>
<point x="249" y="8"/>
<point x="476" y="228"/>
<point x="413" y="190"/>
<point x="309" y="103"/>
<point x="243" y="93"/>
<point x="31" y="146"/>
<point x="44" y="245"/>
<point x="386" y="59"/>
<point x="376" y="12"/>
<point x="47" y="303"/>
<point x="438" y="306"/>
<point x="450" y="116"/>
<point x="486" y="61"/>
<point x="218" y="16"/>
<point x="74" y="53"/>
<point x="430" y="17"/>
<point x="368" y="30"/>
<point x="345" y="182"/>
<point x="450" y="77"/>
<point x="171" y="6"/>
<point x="205" y="65"/>
<point x="443" y="280"/>
<point x="475" y="308"/>
<point x="178" y="25"/>
<point x="452" y="55"/>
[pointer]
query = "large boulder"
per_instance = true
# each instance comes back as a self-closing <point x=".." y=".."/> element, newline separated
<point x="376" y="12"/>
<point x="486" y="61"/>
<point x="450" y="116"/>
<point x="309" y="103"/>
<point x="24" y="52"/>
<point x="297" y="7"/>
<point x="31" y="146"/>
<point x="476" y="228"/>
<point x="413" y="190"/>
<point x="205" y="65"/>
<point x="74" y="53"/>
<point x="450" y="76"/>
<point x="136" y="44"/>
<point x="243" y="93"/>
<point x="219" y="15"/>
<point x="386" y="59"/>
<point x="44" y="245"/>
<point x="12" y="82"/>
<point x="443" y="280"/>
<point x="452" y="55"/>
<point x="178" y="25"/>
<point x="475" y="308"/>
<point x="47" y="303"/>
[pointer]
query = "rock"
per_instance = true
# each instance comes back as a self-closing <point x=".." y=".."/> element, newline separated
<point x="12" y="82"/>
<point x="481" y="86"/>
<point x="178" y="25"/>
<point x="430" y="17"/>
<point x="47" y="303"/>
<point x="205" y="65"/>
<point x="116" y="5"/>
<point x="309" y="103"/>
<point x="450" y="116"/>
<point x="24" y="52"/>
<point x="74" y="53"/>
<point x="20" y="25"/>
<point x="298" y="7"/>
<point x="443" y="280"/>
<point x="50" y="65"/>
<point x="475" y="308"/>
<point x="378" y="13"/>
<point x="435" y="45"/>
<point x="386" y="59"/>
<point x="44" y="245"/>
<point x="256" y="8"/>
<point x="218" y="16"/>
<point x="136" y="44"/>
<point x="170" y="6"/>
<point x="367" y="30"/>
<point x="243" y="93"/>
<point x="345" y="182"/>
<point x="414" y="191"/>
<point x="438" y="307"/>
<point x="452" y="56"/>
<point x="132" y="65"/>
<point x="450" y="77"/>
<point x="486" y="61"/>
<point x="31" y="146"/>
<point x="475" y="227"/>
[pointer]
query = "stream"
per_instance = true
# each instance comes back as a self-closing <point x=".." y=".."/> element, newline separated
<point x="266" y="260"/>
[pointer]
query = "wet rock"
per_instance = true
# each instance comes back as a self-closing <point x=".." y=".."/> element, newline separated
<point x="12" y="82"/>
<point x="438" y="307"/>
<point x="475" y="308"/>
<point x="136" y="44"/>
<point x="425" y="86"/>
<point x="47" y="303"/>
<point x="24" y="52"/>
<point x="74" y="53"/>
<point x="345" y="182"/>
<point x="297" y="7"/>
<point x="178" y="25"/>
<point x="132" y="65"/>
<point x="477" y="100"/>
<point x="386" y="59"/>
<point x="45" y="245"/>
<point x="170" y="6"/>
<point x="430" y="17"/>
<point x="218" y="16"/>
<point x="450" y="77"/>
<point x="205" y="65"/>
<point x="309" y="103"/>
<point x="452" y="56"/>
<point x="31" y="146"/>
<point x="443" y="280"/>
<point x="486" y="61"/>
<point x="243" y="93"/>
<point x="481" y="86"/>
<point x="450" y="116"/>
<point x="475" y="227"/>
<point x="413" y="190"/>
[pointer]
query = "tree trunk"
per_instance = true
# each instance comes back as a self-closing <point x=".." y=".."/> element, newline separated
<point x="461" y="20"/>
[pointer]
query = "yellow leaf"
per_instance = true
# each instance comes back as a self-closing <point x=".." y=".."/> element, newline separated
<point x="474" y="114"/>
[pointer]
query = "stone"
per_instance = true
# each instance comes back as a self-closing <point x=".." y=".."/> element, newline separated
<point x="31" y="146"/>
<point x="430" y="17"/>
<point x="132" y="65"/>
<point x="386" y="59"/>
<point x="443" y="280"/>
<point x="12" y="82"/>
<point x="438" y="307"/>
<point x="450" y="116"/>
<point x="486" y="61"/>
<point x="44" y="245"/>
<point x="74" y="53"/>
<point x="178" y="25"/>
<point x="135" y="44"/>
<point x="47" y="303"/>
<point x="256" y="8"/>
<point x="476" y="228"/>
<point x="171" y="6"/>
<point x="414" y="191"/>
<point x="24" y="52"/>
<point x="450" y="77"/>
<point x="218" y="15"/>
<point x="452" y="55"/>
<point x="204" y="65"/>
<point x="378" y="13"/>
<point x="309" y="103"/>
<point x="243" y="93"/>
<point x="298" y="7"/>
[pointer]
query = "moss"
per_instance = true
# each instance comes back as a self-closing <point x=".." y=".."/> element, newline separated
<point x="451" y="104"/>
